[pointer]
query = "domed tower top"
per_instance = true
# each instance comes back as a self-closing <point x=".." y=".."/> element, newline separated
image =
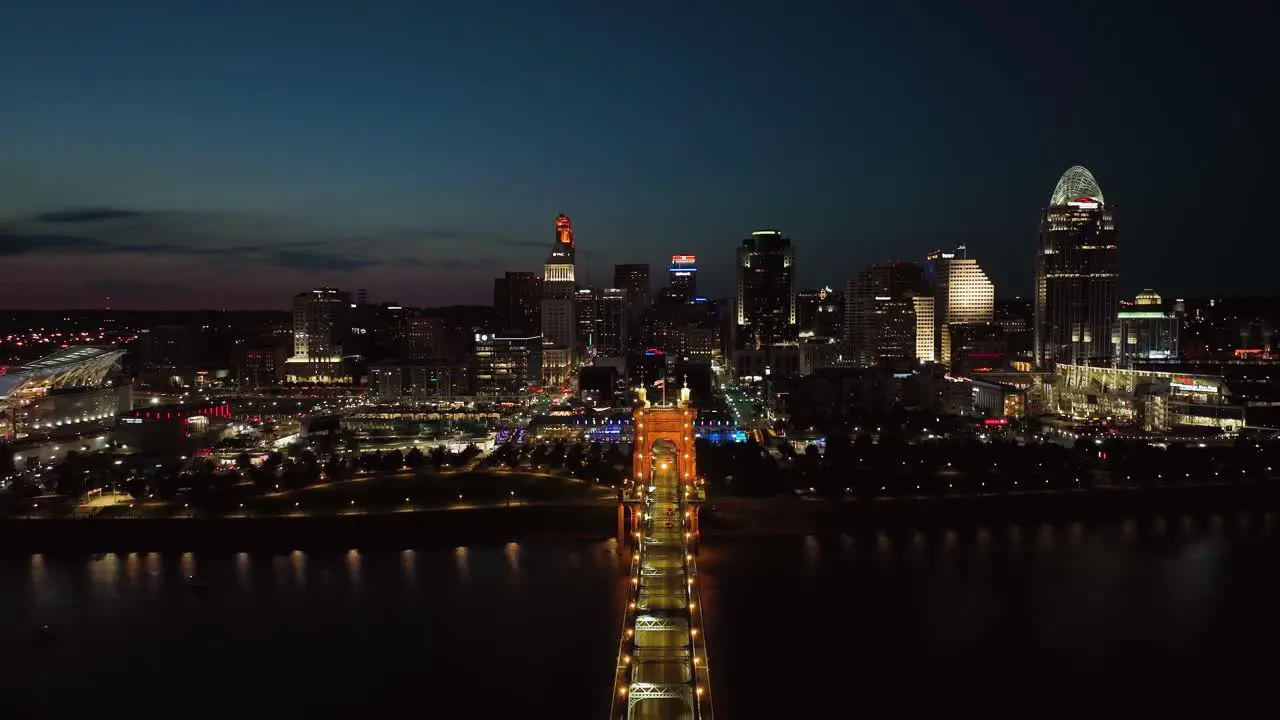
<point x="1077" y="183"/>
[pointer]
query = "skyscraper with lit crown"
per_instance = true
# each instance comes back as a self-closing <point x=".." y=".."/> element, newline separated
<point x="1077" y="267"/>
<point x="559" y="313"/>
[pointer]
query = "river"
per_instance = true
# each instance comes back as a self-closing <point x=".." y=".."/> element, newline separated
<point x="1152" y="616"/>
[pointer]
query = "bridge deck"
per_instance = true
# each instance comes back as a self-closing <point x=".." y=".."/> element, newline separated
<point x="662" y="661"/>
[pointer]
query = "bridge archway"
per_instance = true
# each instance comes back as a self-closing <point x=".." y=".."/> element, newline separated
<point x="666" y="429"/>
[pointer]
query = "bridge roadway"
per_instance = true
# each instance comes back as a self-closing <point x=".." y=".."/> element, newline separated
<point x="662" y="662"/>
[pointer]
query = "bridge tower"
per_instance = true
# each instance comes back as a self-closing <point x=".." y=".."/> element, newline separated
<point x="667" y="428"/>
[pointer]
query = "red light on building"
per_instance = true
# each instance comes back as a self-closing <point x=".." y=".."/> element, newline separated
<point x="684" y="259"/>
<point x="564" y="230"/>
<point x="995" y="421"/>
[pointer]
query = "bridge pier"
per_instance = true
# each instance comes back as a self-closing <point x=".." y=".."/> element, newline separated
<point x="622" y="534"/>
<point x="695" y="529"/>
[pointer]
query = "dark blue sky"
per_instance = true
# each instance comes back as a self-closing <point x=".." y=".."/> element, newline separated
<point x="238" y="152"/>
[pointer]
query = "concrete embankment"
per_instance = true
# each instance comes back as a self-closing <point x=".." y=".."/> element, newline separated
<point x="778" y="516"/>
<point x="728" y="517"/>
<point x="407" y="529"/>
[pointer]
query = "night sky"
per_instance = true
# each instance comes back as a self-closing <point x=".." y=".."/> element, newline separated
<point x="185" y="154"/>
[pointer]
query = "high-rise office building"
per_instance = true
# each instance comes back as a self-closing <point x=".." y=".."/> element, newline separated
<point x="765" y="303"/>
<point x="880" y="312"/>
<point x="925" y="309"/>
<point x="1015" y="316"/>
<point x="424" y="337"/>
<point x="963" y="294"/>
<point x="819" y="313"/>
<point x="1076" y="272"/>
<point x="321" y="322"/>
<point x="505" y="365"/>
<point x="611" y="323"/>
<point x="586" y="303"/>
<point x="559" y="306"/>
<point x="517" y="301"/>
<point x="633" y="279"/>
<point x="684" y="277"/>
<point x="559" y="289"/>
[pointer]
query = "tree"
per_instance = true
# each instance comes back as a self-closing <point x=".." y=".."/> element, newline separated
<point x="414" y="459"/>
<point x="335" y="468"/>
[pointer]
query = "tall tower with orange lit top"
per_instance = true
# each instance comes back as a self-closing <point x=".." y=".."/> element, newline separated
<point x="564" y="230"/>
<point x="559" y="306"/>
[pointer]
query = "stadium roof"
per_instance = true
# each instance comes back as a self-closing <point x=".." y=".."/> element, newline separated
<point x="74" y="366"/>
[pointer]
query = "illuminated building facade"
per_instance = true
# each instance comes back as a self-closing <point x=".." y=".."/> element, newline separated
<point x="68" y="391"/>
<point x="684" y="277"/>
<point x="765" y="303"/>
<point x="504" y="366"/>
<point x="1076" y="272"/>
<point x="962" y="293"/>
<point x="418" y="382"/>
<point x="587" y="305"/>
<point x="1149" y="330"/>
<point x="926" y="325"/>
<point x="559" y="290"/>
<point x="1151" y="399"/>
<point x="321" y="321"/>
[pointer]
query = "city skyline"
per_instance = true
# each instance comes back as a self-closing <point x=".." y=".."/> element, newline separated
<point x="426" y="158"/>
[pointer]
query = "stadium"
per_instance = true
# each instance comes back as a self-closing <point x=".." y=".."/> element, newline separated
<point x="63" y="394"/>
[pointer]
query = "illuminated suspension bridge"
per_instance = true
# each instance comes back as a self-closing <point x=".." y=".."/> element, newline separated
<point x="662" y="669"/>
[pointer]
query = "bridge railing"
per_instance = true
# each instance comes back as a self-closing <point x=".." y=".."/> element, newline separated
<point x="654" y="582"/>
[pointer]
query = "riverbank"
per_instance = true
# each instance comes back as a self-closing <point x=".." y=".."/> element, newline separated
<point x="338" y="532"/>
<point x="722" y="518"/>
<point x="733" y="517"/>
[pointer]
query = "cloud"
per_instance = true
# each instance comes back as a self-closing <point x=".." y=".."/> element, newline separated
<point x="122" y="285"/>
<point x="85" y="215"/>
<point x="313" y="260"/>
<point x="16" y="243"/>
<point x="249" y="241"/>
<point x="521" y="243"/>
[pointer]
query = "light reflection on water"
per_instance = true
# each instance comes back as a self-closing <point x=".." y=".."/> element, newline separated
<point x="1156" y="590"/>
<point x="811" y="550"/>
<point x="244" y="570"/>
<point x="408" y="565"/>
<point x="298" y="561"/>
<point x="512" y="551"/>
<point x="461" y="558"/>
<point x="353" y="568"/>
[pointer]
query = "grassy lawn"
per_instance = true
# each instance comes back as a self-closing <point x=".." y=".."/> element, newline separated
<point x="388" y="492"/>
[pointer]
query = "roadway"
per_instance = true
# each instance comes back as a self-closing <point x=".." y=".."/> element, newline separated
<point x="662" y="683"/>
